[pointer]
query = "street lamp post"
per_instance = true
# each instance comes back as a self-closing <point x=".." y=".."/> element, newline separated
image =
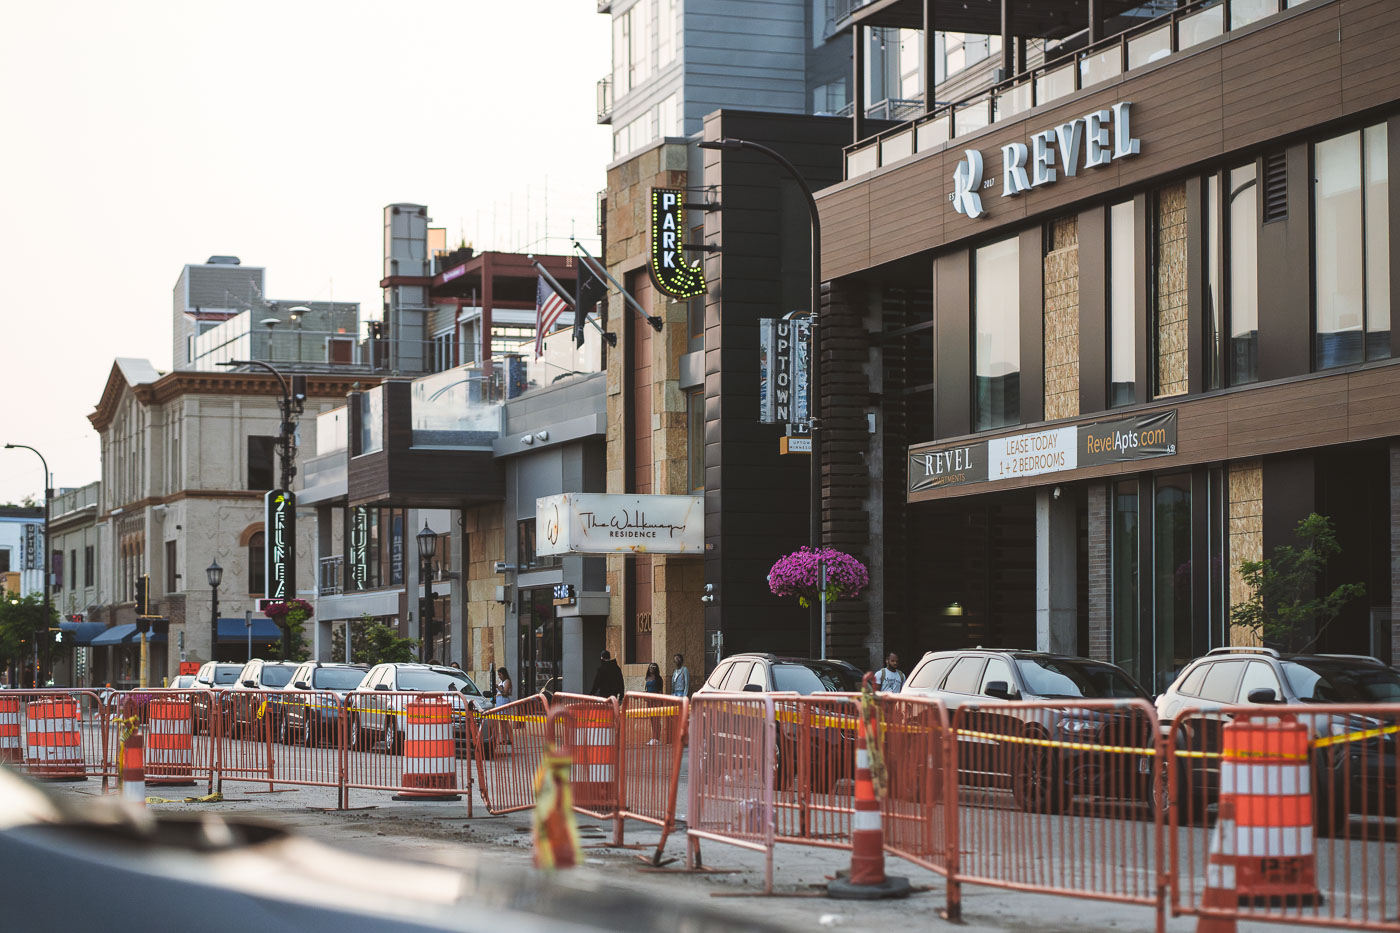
<point x="46" y="563"/>
<point x="216" y="576"/>
<point x="291" y="406"/>
<point x="427" y="549"/>
<point x="814" y="358"/>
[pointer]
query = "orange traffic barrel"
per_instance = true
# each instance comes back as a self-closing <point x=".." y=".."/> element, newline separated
<point x="10" y="749"/>
<point x="595" y="757"/>
<point x="134" y="770"/>
<point x="54" y="742"/>
<point x="429" y="752"/>
<point x="169" y="742"/>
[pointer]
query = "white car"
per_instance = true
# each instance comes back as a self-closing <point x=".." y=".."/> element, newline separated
<point x="378" y="720"/>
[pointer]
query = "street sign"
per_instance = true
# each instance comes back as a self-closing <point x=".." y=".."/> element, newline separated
<point x="794" y="445"/>
<point x="783" y="369"/>
<point x="280" y="545"/>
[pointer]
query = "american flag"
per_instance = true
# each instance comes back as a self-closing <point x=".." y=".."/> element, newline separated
<point x="548" y="307"/>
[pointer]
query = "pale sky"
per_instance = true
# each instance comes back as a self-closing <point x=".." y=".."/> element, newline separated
<point x="141" y="135"/>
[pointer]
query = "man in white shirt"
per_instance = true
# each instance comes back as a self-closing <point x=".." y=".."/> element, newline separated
<point x="889" y="679"/>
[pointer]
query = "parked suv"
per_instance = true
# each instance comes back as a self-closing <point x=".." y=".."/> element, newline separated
<point x="258" y="677"/>
<point x="992" y="741"/>
<point x="1259" y="676"/>
<point x="216" y="677"/>
<point x="769" y="673"/>
<point x="310" y="712"/>
<point x="380" y="719"/>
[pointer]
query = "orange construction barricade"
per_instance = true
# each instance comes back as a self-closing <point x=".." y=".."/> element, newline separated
<point x="10" y="749"/>
<point x="54" y="749"/>
<point x="169" y="742"/>
<point x="430" y="752"/>
<point x="595" y="758"/>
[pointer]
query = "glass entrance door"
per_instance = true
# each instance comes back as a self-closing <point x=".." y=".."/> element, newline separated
<point x="541" y="643"/>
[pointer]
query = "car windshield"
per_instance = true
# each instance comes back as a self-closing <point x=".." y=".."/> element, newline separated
<point x="1058" y="678"/>
<point x="225" y="675"/>
<point x="337" y="678"/>
<point x="1328" y="681"/>
<point x="814" y="677"/>
<point x="276" y="676"/>
<point x="437" y="681"/>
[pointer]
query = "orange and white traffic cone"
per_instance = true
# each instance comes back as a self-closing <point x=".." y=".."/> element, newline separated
<point x="867" y="880"/>
<point x="1219" y="892"/>
<point x="134" y="769"/>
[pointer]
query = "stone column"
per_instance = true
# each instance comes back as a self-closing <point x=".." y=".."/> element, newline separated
<point x="1100" y="646"/>
<point x="1056" y="553"/>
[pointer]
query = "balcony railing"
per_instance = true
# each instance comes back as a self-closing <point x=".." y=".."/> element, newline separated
<point x="330" y="581"/>
<point x="1190" y="25"/>
<point x="605" y="99"/>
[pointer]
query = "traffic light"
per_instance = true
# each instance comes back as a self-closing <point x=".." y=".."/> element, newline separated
<point x="298" y="391"/>
<point x="143" y="595"/>
<point x="143" y="625"/>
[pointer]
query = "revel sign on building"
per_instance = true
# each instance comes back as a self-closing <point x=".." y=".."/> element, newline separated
<point x="1092" y="141"/>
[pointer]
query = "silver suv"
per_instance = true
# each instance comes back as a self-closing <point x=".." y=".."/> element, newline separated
<point x="1228" y="677"/>
<point x="381" y="717"/>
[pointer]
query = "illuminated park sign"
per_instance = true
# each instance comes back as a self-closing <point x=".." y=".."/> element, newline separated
<point x="669" y="270"/>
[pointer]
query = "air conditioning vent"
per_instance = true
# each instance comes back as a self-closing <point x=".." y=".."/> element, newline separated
<point x="1275" y="187"/>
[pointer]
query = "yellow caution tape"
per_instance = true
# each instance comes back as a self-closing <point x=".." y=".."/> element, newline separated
<point x="652" y="713"/>
<point x="208" y="798"/>
<point x="1356" y="736"/>
<point x="262" y="709"/>
<point x="1051" y="743"/>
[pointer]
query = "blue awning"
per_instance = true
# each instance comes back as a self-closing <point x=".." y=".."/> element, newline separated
<point x="81" y="633"/>
<point x="233" y="632"/>
<point x="124" y="635"/>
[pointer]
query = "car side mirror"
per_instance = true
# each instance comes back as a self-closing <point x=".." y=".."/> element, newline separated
<point x="302" y="685"/>
<point x="753" y="688"/>
<point x="998" y="689"/>
<point x="381" y="686"/>
<point x="251" y="683"/>
<point x="1263" y="695"/>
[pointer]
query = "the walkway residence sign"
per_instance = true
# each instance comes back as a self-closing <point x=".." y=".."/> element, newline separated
<point x="596" y="523"/>
<point x="1092" y="141"/>
<point x="1052" y="451"/>
<point x="280" y="545"/>
<point x="669" y="270"/>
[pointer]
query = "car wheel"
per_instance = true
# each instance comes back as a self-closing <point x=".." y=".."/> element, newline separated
<point x="357" y="738"/>
<point x="282" y="737"/>
<point x="393" y="739"/>
<point x="1034" y="784"/>
<point x="306" y="735"/>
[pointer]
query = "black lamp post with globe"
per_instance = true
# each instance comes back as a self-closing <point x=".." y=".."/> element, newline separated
<point x="427" y="550"/>
<point x="216" y="576"/>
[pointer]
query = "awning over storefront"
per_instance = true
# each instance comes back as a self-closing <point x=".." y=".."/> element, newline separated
<point x="124" y="635"/>
<point x="81" y="633"/>
<point x="233" y="631"/>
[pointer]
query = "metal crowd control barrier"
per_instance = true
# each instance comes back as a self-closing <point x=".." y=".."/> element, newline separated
<point x="1057" y="797"/>
<point x="814" y="774"/>
<point x="509" y="749"/>
<point x="58" y="734"/>
<point x="378" y="726"/>
<point x="595" y="776"/>
<point x="733" y="747"/>
<point x="1287" y="814"/>
<point x="921" y="797"/>
<point x="652" y="749"/>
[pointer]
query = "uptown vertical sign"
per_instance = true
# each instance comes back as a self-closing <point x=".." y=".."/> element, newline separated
<point x="669" y="270"/>
<point x="279" y="545"/>
<point x="1091" y="141"/>
<point x="783" y="368"/>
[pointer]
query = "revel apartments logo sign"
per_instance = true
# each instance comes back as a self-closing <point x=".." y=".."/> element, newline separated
<point x="1092" y="141"/>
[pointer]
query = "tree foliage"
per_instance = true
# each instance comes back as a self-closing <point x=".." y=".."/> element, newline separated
<point x="372" y="642"/>
<point x="1285" y="607"/>
<point x="20" y="619"/>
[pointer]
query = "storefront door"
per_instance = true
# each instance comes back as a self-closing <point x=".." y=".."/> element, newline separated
<point x="541" y="643"/>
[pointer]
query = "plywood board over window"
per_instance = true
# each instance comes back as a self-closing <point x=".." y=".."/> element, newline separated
<point x="1062" y="319"/>
<point x="1171" y="291"/>
<point x="1246" y="531"/>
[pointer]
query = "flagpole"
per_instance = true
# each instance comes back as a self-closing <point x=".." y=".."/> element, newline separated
<point x="559" y="290"/>
<point x="597" y="267"/>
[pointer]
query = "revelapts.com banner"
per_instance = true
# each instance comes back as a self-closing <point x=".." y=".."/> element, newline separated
<point x="1052" y="451"/>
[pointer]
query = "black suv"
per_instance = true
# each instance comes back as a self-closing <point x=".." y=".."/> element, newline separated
<point x="1000" y="745"/>
<point x="1353" y="772"/>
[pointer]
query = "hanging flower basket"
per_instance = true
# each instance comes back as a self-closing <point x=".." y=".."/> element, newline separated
<point x="799" y="574"/>
<point x="298" y="609"/>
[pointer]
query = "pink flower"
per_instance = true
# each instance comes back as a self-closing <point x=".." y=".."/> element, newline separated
<point x="799" y="574"/>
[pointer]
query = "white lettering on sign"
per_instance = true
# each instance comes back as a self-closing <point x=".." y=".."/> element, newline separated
<point x="668" y="231"/>
<point x="1032" y="454"/>
<point x="1091" y="141"/>
<point x="943" y="462"/>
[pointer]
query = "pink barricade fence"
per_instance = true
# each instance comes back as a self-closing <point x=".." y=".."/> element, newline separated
<point x="509" y="749"/>
<point x="413" y="743"/>
<point x="596" y="777"/>
<point x="920" y="801"/>
<point x="652" y="738"/>
<point x="58" y="734"/>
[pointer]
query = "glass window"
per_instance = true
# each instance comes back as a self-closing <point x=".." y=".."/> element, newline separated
<point x="1122" y="311"/>
<point x="226" y="675"/>
<point x="1243" y="269"/>
<point x="1191" y="686"/>
<point x="738" y="676"/>
<point x="437" y="681"/>
<point x="1258" y="676"/>
<point x="1222" y="682"/>
<point x="262" y="452"/>
<point x="525" y="547"/>
<point x="997" y="670"/>
<point x="257" y="573"/>
<point x="1126" y="633"/>
<point x="1322" y="681"/>
<point x="758" y="677"/>
<point x="275" y="676"/>
<point x="1352" y="242"/>
<point x="718" y="675"/>
<point x="89" y="563"/>
<point x="1244" y="12"/>
<point x="336" y="678"/>
<point x="171" y="585"/>
<point x="1172" y="577"/>
<point x="930" y="674"/>
<point x="965" y="676"/>
<point x="996" y="305"/>
<point x="815" y="677"/>
<point x="1058" y="678"/>
<point x="695" y="437"/>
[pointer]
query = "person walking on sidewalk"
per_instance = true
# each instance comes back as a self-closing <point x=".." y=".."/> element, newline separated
<point x="680" y="678"/>
<point x="654" y="683"/>
<point x="889" y="679"/>
<point x="608" y="681"/>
